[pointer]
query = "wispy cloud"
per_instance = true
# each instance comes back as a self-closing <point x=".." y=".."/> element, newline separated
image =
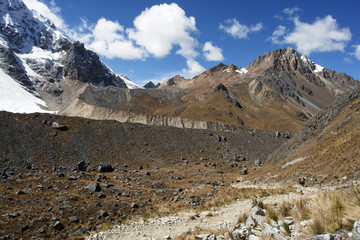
<point x="323" y="35"/>
<point x="356" y="52"/>
<point x="237" y="30"/>
<point x="291" y="11"/>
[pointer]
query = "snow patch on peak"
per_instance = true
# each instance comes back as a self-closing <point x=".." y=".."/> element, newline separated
<point x="318" y="68"/>
<point x="41" y="55"/>
<point x="242" y="71"/>
<point x="129" y="84"/>
<point x="315" y="67"/>
<point x="16" y="99"/>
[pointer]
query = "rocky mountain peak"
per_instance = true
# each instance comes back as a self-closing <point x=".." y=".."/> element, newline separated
<point x="38" y="55"/>
<point x="22" y="29"/>
<point x="150" y="84"/>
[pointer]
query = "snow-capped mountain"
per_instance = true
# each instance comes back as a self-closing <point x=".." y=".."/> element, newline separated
<point x="39" y="57"/>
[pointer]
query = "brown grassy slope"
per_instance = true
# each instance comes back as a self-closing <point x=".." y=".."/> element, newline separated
<point x="327" y="149"/>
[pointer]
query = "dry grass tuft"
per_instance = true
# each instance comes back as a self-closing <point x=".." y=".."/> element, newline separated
<point x="284" y="209"/>
<point x="271" y="213"/>
<point x="334" y="211"/>
<point x="301" y="210"/>
<point x="243" y="218"/>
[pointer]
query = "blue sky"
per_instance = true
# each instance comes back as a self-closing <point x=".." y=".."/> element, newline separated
<point x="154" y="40"/>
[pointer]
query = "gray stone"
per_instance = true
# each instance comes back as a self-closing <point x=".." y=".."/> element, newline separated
<point x="58" y="226"/>
<point x="243" y="172"/>
<point x="73" y="219"/>
<point x="94" y="187"/>
<point x="257" y="162"/>
<point x="356" y="230"/>
<point x="240" y="158"/>
<point x="105" y="167"/>
<point x="103" y="213"/>
<point x="59" y="126"/>
<point x="81" y="166"/>
<point x="271" y="232"/>
<point x="134" y="205"/>
<point x="256" y="217"/>
<point x="242" y="233"/>
<point x="327" y="236"/>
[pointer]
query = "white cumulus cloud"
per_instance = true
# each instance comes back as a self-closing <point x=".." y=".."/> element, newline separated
<point x="357" y="51"/>
<point x="237" y="30"/>
<point x="212" y="53"/>
<point x="108" y="39"/>
<point x="161" y="27"/>
<point x="323" y="35"/>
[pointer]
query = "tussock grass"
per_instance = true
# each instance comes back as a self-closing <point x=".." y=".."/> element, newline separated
<point x="301" y="210"/>
<point x="284" y="209"/>
<point x="271" y="213"/>
<point x="161" y="211"/>
<point x="332" y="211"/>
<point x="240" y="194"/>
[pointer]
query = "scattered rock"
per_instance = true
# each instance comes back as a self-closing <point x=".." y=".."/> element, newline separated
<point x="94" y="187"/>
<point x="103" y="213"/>
<point x="81" y="166"/>
<point x="243" y="172"/>
<point x="356" y="230"/>
<point x="105" y="167"/>
<point x="58" y="226"/>
<point x="240" y="158"/>
<point x="101" y="195"/>
<point x="256" y="217"/>
<point x="73" y="219"/>
<point x="25" y="228"/>
<point x="257" y="162"/>
<point x="221" y="139"/>
<point x="59" y="126"/>
<point x="271" y="232"/>
<point x="134" y="206"/>
<point x="240" y="233"/>
<point x="326" y="237"/>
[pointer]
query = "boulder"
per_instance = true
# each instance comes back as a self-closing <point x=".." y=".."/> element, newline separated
<point x="271" y="232"/>
<point x="257" y="162"/>
<point x="103" y="213"/>
<point x="241" y="233"/>
<point x="94" y="187"/>
<point x="221" y="139"/>
<point x="356" y="230"/>
<point x="240" y="158"/>
<point x="243" y="172"/>
<point x="73" y="219"/>
<point x="105" y="167"/>
<point x="59" y="126"/>
<point x="58" y="226"/>
<point x="81" y="166"/>
<point x="256" y="217"/>
<point x="327" y="236"/>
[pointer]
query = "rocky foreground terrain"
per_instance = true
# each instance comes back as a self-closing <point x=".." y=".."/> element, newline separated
<point x="63" y="177"/>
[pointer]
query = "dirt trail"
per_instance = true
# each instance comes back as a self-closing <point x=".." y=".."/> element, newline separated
<point x="175" y="225"/>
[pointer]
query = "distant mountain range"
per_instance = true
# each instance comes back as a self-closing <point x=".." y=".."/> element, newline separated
<point x="277" y="91"/>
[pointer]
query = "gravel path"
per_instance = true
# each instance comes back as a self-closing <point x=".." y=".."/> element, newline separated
<point x="175" y="225"/>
